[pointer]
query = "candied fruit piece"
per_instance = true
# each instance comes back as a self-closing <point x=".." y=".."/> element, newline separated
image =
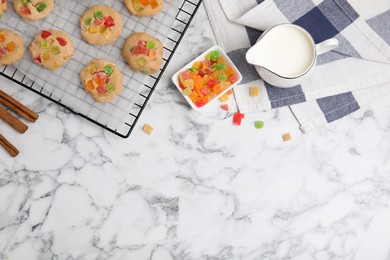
<point x="148" y="129"/>
<point x="254" y="91"/>
<point x="11" y="46"/>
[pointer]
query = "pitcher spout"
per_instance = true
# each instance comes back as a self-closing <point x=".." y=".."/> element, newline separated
<point x="252" y="56"/>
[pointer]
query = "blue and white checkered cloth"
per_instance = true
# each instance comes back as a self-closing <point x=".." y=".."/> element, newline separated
<point x="356" y="73"/>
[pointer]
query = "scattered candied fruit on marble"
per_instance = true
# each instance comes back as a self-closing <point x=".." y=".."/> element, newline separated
<point x="148" y="129"/>
<point x="259" y="124"/>
<point x="286" y="137"/>
<point x="224" y="98"/>
<point x="225" y="107"/>
<point x="254" y="91"/>
<point x="237" y="118"/>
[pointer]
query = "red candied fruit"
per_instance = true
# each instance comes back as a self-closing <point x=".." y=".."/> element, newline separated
<point x="199" y="103"/>
<point x="101" y="90"/>
<point x="237" y="118"/>
<point x="38" y="60"/>
<point x="98" y="22"/>
<point x="109" y="21"/>
<point x="61" y="41"/>
<point x="141" y="43"/>
<point x="3" y="51"/>
<point x="25" y="10"/>
<point x="45" y="34"/>
<point x="233" y="78"/>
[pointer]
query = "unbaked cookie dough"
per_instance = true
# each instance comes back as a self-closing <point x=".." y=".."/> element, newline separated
<point x="51" y="49"/>
<point x="3" y="7"/>
<point x="11" y="47"/>
<point x="143" y="53"/>
<point x="144" y="7"/>
<point x="102" y="79"/>
<point x="33" y="9"/>
<point x="101" y="25"/>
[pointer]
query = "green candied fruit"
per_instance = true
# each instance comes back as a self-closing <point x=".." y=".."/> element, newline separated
<point x="150" y="45"/>
<point x="140" y="62"/>
<point x="259" y="124"/>
<point x="137" y="6"/>
<point x="220" y="66"/>
<point x="110" y="87"/>
<point x="98" y="14"/>
<point x="44" y="44"/>
<point x="55" y="50"/>
<point x="193" y="70"/>
<point x="108" y="69"/>
<point x="24" y="2"/>
<point x="88" y="22"/>
<point x="223" y="77"/>
<point x="187" y="92"/>
<point x="215" y="55"/>
<point x="208" y="56"/>
<point x="41" y="6"/>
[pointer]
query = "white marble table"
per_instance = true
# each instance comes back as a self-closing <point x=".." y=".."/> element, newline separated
<point x="199" y="187"/>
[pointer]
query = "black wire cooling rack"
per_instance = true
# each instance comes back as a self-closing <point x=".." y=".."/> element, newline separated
<point x="143" y="90"/>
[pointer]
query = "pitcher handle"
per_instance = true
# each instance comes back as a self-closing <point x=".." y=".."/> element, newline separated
<point x="327" y="45"/>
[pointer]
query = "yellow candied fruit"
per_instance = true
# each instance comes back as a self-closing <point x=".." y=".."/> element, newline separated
<point x="224" y="98"/>
<point x="254" y="91"/>
<point x="225" y="84"/>
<point x="94" y="29"/>
<point x="148" y="129"/>
<point x="45" y="56"/>
<point x="11" y="46"/>
<point x="211" y="95"/>
<point x="196" y="65"/>
<point x="91" y="69"/>
<point x="286" y="137"/>
<point x="2" y="38"/>
<point x="106" y="33"/>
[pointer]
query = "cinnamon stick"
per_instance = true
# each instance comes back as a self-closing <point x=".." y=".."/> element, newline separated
<point x="13" y="121"/>
<point x="17" y="107"/>
<point x="8" y="146"/>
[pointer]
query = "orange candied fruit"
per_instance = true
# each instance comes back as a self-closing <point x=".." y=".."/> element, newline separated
<point x="11" y="46"/>
<point x="99" y="81"/>
<point x="154" y="4"/>
<point x="90" y="85"/>
<point x="2" y="38"/>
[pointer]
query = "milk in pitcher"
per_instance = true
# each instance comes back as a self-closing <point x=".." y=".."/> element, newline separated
<point x="287" y="51"/>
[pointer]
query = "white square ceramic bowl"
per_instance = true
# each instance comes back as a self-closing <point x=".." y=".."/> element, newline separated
<point x="175" y="78"/>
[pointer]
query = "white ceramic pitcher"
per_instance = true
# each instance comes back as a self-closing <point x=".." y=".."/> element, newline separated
<point x="285" y="54"/>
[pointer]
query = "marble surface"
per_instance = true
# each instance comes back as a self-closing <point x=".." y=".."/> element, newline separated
<point x="199" y="187"/>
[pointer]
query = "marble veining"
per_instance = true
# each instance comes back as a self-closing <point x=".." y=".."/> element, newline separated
<point x="199" y="187"/>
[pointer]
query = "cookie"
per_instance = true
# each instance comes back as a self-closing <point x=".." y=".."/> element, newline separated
<point x="33" y="9"/>
<point x="102" y="79"/>
<point x="3" y="7"/>
<point x="51" y="49"/>
<point x="101" y="25"/>
<point x="11" y="47"/>
<point x="143" y="53"/>
<point x="144" y="7"/>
